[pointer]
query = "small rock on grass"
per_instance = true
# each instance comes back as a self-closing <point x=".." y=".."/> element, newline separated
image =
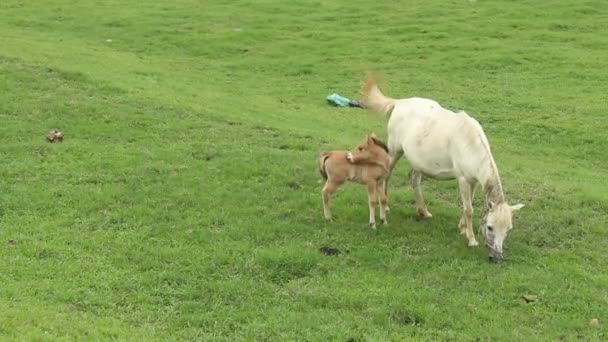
<point x="329" y="251"/>
<point x="54" y="135"/>
<point x="594" y="322"/>
<point x="529" y="298"/>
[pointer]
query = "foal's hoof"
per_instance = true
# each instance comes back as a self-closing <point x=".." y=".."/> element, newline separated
<point x="372" y="225"/>
<point x="473" y="243"/>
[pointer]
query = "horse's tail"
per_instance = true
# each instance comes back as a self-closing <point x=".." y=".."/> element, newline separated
<point x="322" y="160"/>
<point x="374" y="99"/>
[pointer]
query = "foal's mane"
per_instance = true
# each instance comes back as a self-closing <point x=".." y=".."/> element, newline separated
<point x="380" y="143"/>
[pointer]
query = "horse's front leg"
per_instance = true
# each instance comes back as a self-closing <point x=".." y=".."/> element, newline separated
<point x="383" y="201"/>
<point x="466" y="223"/>
<point x="416" y="180"/>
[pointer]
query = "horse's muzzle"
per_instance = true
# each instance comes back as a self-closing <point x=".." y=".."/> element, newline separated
<point x="494" y="260"/>
<point x="495" y="257"/>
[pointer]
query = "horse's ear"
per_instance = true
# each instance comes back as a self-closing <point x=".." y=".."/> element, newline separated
<point x="517" y="206"/>
<point x="490" y="204"/>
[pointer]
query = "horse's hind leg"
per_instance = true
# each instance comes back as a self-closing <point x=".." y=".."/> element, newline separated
<point x="416" y="180"/>
<point x="395" y="154"/>
<point x="329" y="188"/>
<point x="466" y="223"/>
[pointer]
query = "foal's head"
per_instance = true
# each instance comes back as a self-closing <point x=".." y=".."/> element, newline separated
<point x="498" y="223"/>
<point x="370" y="149"/>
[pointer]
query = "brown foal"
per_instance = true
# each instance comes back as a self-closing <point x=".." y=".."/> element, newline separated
<point x="366" y="164"/>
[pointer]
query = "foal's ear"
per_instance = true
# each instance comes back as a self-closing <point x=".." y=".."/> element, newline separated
<point x="379" y="142"/>
<point x="490" y="204"/>
<point x="517" y="206"/>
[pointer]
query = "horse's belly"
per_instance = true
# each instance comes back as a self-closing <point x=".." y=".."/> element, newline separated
<point x="436" y="168"/>
<point x="439" y="174"/>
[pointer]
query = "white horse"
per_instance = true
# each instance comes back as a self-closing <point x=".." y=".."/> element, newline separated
<point x="441" y="144"/>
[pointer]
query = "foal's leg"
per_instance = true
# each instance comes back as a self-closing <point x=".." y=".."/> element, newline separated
<point x="329" y="188"/>
<point x="383" y="203"/>
<point x="466" y="223"/>
<point x="416" y="179"/>
<point x="395" y="154"/>
<point x="371" y="200"/>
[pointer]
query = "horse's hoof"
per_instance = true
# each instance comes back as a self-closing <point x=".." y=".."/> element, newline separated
<point x="372" y="225"/>
<point x="473" y="243"/>
<point x="388" y="209"/>
<point x="424" y="213"/>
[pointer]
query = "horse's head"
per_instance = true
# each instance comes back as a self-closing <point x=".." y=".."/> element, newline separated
<point x="370" y="149"/>
<point x="495" y="227"/>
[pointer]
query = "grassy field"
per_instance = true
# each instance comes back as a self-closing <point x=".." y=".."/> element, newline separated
<point x="184" y="202"/>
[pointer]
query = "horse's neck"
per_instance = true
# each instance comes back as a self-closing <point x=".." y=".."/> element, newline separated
<point x="492" y="187"/>
<point x="493" y="191"/>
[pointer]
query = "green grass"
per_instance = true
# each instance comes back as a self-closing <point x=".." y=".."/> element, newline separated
<point x="184" y="202"/>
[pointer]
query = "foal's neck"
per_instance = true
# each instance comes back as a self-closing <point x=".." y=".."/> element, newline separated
<point x="384" y="163"/>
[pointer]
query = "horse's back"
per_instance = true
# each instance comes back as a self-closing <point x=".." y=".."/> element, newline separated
<point x="416" y="106"/>
<point x="435" y="140"/>
<point x="416" y="121"/>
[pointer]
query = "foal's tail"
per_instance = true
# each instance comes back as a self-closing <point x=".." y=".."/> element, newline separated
<point x="322" y="160"/>
<point x="374" y="99"/>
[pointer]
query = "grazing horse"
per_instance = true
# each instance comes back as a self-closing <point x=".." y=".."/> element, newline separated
<point x="442" y="144"/>
<point x="368" y="164"/>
